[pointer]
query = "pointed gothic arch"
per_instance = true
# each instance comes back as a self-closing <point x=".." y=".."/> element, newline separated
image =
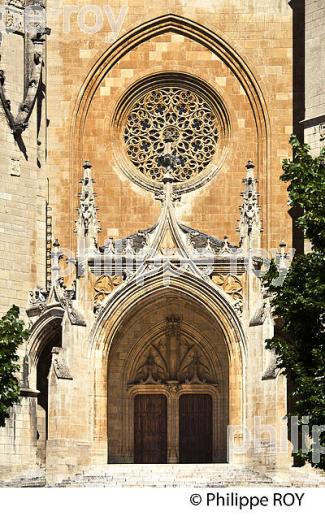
<point x="42" y="331"/>
<point x="209" y="40"/>
<point x="134" y="302"/>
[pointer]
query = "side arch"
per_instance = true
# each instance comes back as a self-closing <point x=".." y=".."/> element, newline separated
<point x="46" y="333"/>
<point x="43" y="332"/>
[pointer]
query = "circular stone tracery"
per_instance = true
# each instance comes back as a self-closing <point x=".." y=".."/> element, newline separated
<point x="171" y="120"/>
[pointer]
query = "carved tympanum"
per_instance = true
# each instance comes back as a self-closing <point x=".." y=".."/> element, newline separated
<point x="152" y="367"/>
<point x="173" y="359"/>
<point x="193" y="368"/>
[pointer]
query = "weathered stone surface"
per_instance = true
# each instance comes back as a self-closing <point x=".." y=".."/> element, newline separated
<point x="106" y="327"/>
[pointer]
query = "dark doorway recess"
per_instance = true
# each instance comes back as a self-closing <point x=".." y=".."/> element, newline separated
<point x="43" y="369"/>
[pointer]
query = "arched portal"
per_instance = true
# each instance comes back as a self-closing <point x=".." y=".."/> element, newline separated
<point x="46" y="335"/>
<point x="173" y="383"/>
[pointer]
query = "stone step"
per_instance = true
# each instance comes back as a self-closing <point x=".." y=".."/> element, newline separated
<point x="167" y="475"/>
<point x="167" y="468"/>
<point x="24" y="482"/>
<point x="174" y="475"/>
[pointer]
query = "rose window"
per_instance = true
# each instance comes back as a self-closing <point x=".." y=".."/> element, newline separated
<point x="171" y="121"/>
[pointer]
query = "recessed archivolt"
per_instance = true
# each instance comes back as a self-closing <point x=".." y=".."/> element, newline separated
<point x="131" y="301"/>
<point x="125" y="302"/>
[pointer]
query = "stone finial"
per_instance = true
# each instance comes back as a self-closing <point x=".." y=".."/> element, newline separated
<point x="250" y="164"/>
<point x="226" y="246"/>
<point x="56" y="256"/>
<point x="250" y="224"/>
<point x="87" y="224"/>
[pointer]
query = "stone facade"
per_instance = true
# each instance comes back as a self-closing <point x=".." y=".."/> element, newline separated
<point x="314" y="121"/>
<point x="141" y="297"/>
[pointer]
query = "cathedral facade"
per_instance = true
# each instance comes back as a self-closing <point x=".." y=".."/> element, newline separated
<point x="141" y="150"/>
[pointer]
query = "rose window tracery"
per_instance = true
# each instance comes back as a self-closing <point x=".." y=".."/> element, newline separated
<point x="171" y="121"/>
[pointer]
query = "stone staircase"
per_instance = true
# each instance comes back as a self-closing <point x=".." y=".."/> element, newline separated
<point x="167" y="475"/>
<point x="173" y="475"/>
<point x="29" y="479"/>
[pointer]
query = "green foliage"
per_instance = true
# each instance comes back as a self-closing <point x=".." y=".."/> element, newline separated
<point x="12" y="334"/>
<point x="306" y="175"/>
<point x="300" y="301"/>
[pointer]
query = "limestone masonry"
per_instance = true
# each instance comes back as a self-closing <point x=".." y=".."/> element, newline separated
<point x="141" y="146"/>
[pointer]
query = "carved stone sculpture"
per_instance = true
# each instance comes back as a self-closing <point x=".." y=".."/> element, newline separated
<point x="173" y="360"/>
<point x="174" y="128"/>
<point x="34" y="33"/>
<point x="230" y="284"/>
<point x="104" y="286"/>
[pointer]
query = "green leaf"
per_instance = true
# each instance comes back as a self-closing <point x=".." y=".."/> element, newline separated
<point x="299" y="302"/>
<point x="12" y="334"/>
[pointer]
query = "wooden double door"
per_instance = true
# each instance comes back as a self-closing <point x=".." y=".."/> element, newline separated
<point x="151" y="428"/>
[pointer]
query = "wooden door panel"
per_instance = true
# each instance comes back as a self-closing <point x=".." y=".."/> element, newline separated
<point x="150" y="429"/>
<point x="195" y="428"/>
